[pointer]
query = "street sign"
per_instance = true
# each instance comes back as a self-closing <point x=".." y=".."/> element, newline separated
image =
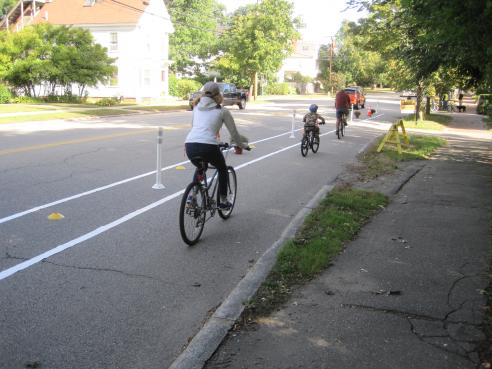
<point x="408" y="106"/>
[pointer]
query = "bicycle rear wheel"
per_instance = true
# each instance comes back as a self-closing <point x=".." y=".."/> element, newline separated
<point x="314" y="143"/>
<point x="231" y="193"/>
<point x="304" y="145"/>
<point x="192" y="213"/>
<point x="342" y="126"/>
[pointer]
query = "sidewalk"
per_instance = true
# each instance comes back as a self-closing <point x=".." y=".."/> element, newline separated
<point x="407" y="293"/>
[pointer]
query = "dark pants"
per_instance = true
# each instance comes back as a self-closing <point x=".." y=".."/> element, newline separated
<point x="211" y="154"/>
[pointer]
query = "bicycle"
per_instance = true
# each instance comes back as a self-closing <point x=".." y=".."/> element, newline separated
<point x="341" y="124"/>
<point x="309" y="141"/>
<point x="202" y="196"/>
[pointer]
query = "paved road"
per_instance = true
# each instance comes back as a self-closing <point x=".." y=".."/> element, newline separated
<point x="112" y="285"/>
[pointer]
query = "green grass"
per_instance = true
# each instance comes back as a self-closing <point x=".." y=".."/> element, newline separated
<point x="18" y="108"/>
<point x="435" y="122"/>
<point x="374" y="164"/>
<point x="334" y="222"/>
<point x="159" y="108"/>
<point x="63" y="115"/>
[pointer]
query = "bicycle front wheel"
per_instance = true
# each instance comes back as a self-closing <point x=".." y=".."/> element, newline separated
<point x="231" y="193"/>
<point x="192" y="213"/>
<point x="304" y="145"/>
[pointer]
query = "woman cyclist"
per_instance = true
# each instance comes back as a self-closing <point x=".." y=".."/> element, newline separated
<point x="208" y="117"/>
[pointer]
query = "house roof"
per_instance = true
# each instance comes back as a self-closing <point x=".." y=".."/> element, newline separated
<point x="74" y="12"/>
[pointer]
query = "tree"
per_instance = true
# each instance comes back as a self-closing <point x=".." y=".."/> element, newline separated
<point x="258" y="39"/>
<point x="429" y="35"/>
<point x="5" y="6"/>
<point x="196" y="35"/>
<point x="54" y="56"/>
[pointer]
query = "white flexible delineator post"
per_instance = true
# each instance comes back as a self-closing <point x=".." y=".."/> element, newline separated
<point x="293" y="125"/>
<point x="158" y="182"/>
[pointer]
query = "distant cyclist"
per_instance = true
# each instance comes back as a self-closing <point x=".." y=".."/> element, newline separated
<point x="342" y="106"/>
<point x="208" y="118"/>
<point x="311" y="120"/>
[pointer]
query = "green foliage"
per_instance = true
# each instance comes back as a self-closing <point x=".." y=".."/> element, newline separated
<point x="428" y="36"/>
<point x="196" y="28"/>
<point x="5" y="94"/>
<point x="258" y="39"/>
<point x="65" y="98"/>
<point x="275" y="88"/>
<point x="6" y="6"/>
<point x="54" y="56"/>
<point x="184" y="87"/>
<point x="484" y="104"/>
<point x="108" y="101"/>
<point x="25" y="100"/>
<point x="172" y="85"/>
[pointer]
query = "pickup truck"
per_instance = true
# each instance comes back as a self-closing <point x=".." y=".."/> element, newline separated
<point x="231" y="94"/>
<point x="357" y="97"/>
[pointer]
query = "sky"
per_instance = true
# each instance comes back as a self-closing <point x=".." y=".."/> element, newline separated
<point x="322" y="18"/>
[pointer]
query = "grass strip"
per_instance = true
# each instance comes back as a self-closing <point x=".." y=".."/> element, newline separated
<point x="334" y="222"/>
<point x="436" y="122"/>
<point x="373" y="164"/>
<point x="160" y="108"/>
<point x="64" y="115"/>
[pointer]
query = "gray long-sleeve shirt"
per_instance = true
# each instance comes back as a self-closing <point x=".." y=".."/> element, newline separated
<point x="207" y="121"/>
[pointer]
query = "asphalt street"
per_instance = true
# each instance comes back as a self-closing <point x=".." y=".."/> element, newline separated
<point x="111" y="284"/>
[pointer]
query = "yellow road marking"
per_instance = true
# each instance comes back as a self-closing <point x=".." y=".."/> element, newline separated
<point x="70" y="142"/>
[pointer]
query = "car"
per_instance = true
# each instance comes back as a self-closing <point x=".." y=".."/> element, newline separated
<point x="231" y="94"/>
<point x="357" y="97"/>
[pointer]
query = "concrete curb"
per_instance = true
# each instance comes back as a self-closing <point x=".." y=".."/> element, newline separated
<point x="206" y="341"/>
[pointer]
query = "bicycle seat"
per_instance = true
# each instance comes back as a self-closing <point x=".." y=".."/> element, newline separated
<point x="200" y="162"/>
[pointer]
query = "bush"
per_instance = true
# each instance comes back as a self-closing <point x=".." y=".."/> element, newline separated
<point x="484" y="104"/>
<point x="66" y="98"/>
<point x="108" y="101"/>
<point x="173" y="81"/>
<point x="279" y="89"/>
<point x="25" y="100"/>
<point x="185" y="87"/>
<point x="5" y="94"/>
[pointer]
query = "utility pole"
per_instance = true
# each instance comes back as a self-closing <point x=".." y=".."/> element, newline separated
<point x="332" y="45"/>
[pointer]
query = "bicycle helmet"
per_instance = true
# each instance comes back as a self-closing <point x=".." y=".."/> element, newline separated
<point x="313" y="108"/>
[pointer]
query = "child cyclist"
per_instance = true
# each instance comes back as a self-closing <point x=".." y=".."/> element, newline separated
<point x="311" y="120"/>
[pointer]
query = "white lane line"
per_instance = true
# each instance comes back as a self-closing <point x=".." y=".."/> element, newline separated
<point x="30" y="262"/>
<point x="90" y="192"/>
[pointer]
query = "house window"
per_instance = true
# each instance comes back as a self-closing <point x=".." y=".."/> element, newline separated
<point x="113" y="82"/>
<point x="113" y="41"/>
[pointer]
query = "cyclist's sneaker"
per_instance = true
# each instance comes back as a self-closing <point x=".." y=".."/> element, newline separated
<point x="224" y="205"/>
<point x="345" y="124"/>
<point x="336" y="132"/>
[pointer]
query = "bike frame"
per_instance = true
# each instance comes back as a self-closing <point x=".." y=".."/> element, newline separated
<point x="206" y="184"/>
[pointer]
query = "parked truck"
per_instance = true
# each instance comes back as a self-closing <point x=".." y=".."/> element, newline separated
<point x="231" y="94"/>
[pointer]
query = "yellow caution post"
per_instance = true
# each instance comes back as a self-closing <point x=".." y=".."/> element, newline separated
<point x="393" y="136"/>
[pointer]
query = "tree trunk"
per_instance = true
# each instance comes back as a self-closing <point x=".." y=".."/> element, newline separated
<point x="420" y="90"/>
<point x="255" y="85"/>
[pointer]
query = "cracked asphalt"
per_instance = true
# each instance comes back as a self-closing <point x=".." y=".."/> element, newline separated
<point x="407" y="293"/>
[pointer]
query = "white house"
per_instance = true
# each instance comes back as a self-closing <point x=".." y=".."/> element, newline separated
<point x="135" y="32"/>
<point x="304" y="60"/>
